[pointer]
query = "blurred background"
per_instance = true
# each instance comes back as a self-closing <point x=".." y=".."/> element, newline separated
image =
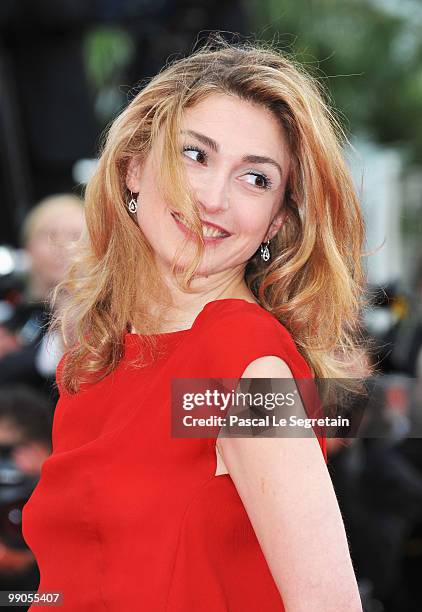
<point x="67" y="68"/>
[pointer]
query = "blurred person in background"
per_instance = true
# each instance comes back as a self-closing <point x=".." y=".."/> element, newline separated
<point x="406" y="357"/>
<point x="50" y="230"/>
<point x="406" y="354"/>
<point x="378" y="477"/>
<point x="50" y="227"/>
<point x="25" y="443"/>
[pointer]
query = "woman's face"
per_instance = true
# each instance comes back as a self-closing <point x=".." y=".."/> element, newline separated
<point x="237" y="162"/>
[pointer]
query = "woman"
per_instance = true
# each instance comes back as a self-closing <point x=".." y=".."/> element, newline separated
<point x="223" y="240"/>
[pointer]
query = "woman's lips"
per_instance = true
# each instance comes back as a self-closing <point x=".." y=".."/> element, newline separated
<point x="187" y="232"/>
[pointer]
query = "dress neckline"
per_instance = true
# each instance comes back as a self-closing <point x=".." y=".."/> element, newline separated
<point x="180" y="332"/>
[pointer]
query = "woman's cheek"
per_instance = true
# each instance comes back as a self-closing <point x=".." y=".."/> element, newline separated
<point x="249" y="225"/>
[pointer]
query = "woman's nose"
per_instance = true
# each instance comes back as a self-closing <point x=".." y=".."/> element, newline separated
<point x="215" y="194"/>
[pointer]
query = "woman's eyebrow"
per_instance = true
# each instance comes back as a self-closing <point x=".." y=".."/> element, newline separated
<point x="251" y="159"/>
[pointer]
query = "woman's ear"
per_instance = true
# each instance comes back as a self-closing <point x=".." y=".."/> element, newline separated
<point x="133" y="175"/>
<point x="276" y="223"/>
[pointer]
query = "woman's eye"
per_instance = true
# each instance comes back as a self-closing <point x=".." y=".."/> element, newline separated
<point x="262" y="181"/>
<point x="195" y="153"/>
<point x="259" y="180"/>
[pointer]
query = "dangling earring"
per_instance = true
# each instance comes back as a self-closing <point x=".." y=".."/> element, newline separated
<point x="133" y="204"/>
<point x="265" y="251"/>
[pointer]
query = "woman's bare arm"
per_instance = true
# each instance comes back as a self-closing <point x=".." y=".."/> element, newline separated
<point x="288" y="494"/>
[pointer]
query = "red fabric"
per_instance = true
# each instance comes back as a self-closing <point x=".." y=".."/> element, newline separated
<point x="124" y="516"/>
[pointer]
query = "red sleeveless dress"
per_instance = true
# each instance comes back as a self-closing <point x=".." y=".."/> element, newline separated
<point x="126" y="517"/>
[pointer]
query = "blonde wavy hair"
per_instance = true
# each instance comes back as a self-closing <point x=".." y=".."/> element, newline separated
<point x="314" y="282"/>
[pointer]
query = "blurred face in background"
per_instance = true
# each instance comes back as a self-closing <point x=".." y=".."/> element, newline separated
<point x="28" y="454"/>
<point x="54" y="228"/>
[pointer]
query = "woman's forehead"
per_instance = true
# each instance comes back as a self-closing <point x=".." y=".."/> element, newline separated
<point x="234" y="123"/>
